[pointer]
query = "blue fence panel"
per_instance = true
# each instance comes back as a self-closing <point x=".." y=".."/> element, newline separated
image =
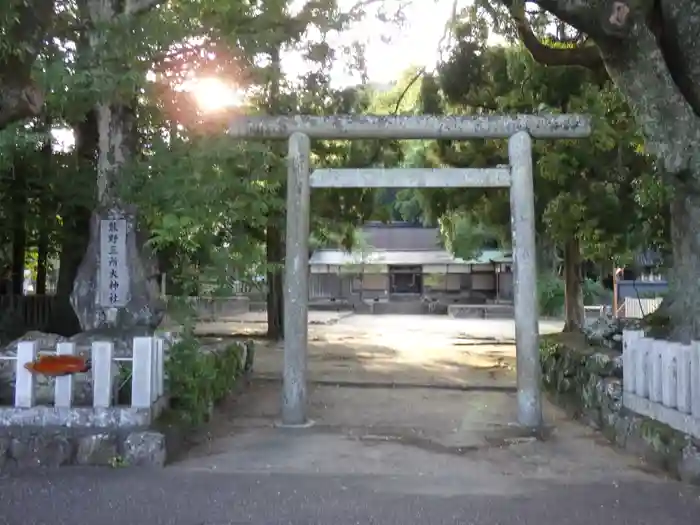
<point x="641" y="288"/>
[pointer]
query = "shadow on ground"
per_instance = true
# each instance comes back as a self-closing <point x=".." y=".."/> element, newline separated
<point x="402" y="396"/>
<point x="391" y="453"/>
<point x="395" y="350"/>
<point x="432" y="434"/>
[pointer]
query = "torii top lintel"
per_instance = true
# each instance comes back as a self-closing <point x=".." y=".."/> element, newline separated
<point x="568" y="126"/>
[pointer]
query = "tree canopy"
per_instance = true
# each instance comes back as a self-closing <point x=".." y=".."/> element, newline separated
<point x="124" y="86"/>
<point x="647" y="50"/>
<point x="128" y="84"/>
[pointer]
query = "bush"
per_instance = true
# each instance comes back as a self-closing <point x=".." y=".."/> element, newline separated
<point x="550" y="289"/>
<point x="199" y="379"/>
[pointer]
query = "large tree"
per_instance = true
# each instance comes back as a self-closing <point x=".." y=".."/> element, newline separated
<point x="82" y="64"/>
<point x="648" y="49"/>
<point x="589" y="204"/>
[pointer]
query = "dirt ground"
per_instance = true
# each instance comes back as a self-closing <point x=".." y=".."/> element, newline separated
<point x="427" y="400"/>
<point x="394" y="349"/>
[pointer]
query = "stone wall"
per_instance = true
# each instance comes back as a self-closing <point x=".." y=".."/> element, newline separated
<point x="481" y="311"/>
<point x="207" y="309"/>
<point x="30" y="447"/>
<point x="587" y="380"/>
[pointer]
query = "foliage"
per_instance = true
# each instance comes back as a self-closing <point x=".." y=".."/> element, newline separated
<point x="200" y="201"/>
<point x="123" y="386"/>
<point x="600" y="193"/>
<point x="648" y="54"/>
<point x="213" y="208"/>
<point x="572" y="370"/>
<point x="465" y="237"/>
<point x="583" y="188"/>
<point x="550" y="291"/>
<point x="199" y="379"/>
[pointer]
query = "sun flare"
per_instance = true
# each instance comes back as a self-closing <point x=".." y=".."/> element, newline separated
<point x="212" y="94"/>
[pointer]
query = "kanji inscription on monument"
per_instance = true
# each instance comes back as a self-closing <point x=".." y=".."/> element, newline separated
<point x="114" y="273"/>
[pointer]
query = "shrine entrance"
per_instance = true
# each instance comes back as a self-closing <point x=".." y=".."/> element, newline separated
<point x="405" y="280"/>
<point x="517" y="175"/>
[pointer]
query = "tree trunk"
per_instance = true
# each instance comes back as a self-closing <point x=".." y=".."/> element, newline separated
<point x="129" y="298"/>
<point x="275" y="280"/>
<point x="683" y="304"/>
<point x="116" y="286"/>
<point x="24" y="31"/>
<point x="546" y="254"/>
<point x="75" y="231"/>
<point x="46" y="214"/>
<point x="275" y="236"/>
<point x="573" y="289"/>
<point x="660" y="92"/>
<point x="19" y="231"/>
<point x="74" y="234"/>
<point x="42" y="260"/>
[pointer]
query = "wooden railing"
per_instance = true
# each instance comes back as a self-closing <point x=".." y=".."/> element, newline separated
<point x="34" y="310"/>
<point x="213" y="308"/>
<point x="146" y="381"/>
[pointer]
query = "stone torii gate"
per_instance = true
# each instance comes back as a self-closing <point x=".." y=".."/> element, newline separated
<point x="519" y="130"/>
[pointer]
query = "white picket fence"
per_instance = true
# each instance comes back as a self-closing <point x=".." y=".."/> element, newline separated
<point x="147" y="374"/>
<point x="661" y="380"/>
<point x="636" y="308"/>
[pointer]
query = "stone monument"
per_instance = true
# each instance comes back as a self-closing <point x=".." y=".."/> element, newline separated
<point x="116" y="286"/>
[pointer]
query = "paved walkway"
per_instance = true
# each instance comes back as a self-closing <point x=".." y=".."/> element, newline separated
<point x="174" y="497"/>
<point x="414" y="453"/>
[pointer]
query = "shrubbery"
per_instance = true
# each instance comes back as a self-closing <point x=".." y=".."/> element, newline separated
<point x="550" y="289"/>
<point x="198" y="379"/>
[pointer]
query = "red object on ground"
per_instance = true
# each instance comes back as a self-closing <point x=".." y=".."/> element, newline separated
<point x="58" y="365"/>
